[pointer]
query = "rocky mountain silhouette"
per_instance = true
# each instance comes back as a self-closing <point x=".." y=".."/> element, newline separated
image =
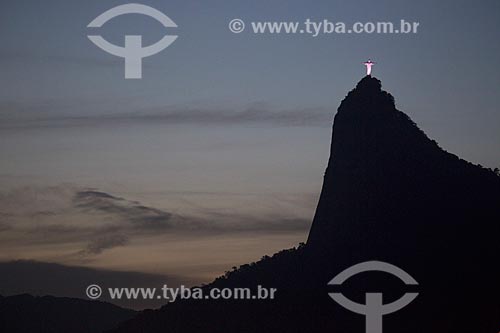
<point x="47" y="314"/>
<point x="390" y="194"/>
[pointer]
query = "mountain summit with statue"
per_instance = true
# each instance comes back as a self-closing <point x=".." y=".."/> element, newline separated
<point x="389" y="194"/>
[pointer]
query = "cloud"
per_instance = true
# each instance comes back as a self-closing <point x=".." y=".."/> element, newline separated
<point x="148" y="219"/>
<point x="18" y="115"/>
<point x="138" y="215"/>
<point x="253" y="114"/>
<point x="97" y="246"/>
<point x="91" y="222"/>
<point x="3" y="226"/>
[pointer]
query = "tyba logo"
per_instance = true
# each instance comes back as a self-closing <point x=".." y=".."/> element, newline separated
<point x="374" y="308"/>
<point x="133" y="52"/>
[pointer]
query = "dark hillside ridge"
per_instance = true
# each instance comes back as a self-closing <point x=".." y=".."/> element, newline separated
<point x="389" y="194"/>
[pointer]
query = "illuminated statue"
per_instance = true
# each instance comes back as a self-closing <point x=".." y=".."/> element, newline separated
<point x="369" y="65"/>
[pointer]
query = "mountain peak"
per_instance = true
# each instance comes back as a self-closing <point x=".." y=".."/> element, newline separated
<point x="389" y="194"/>
<point x="383" y="170"/>
<point x="369" y="82"/>
<point x="368" y="93"/>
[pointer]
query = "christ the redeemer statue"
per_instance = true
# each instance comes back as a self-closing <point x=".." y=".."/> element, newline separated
<point x="369" y="65"/>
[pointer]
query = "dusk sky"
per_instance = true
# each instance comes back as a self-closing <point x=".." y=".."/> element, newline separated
<point x="216" y="157"/>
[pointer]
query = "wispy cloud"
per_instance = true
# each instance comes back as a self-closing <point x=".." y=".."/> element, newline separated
<point x="92" y="221"/>
<point x="139" y="216"/>
<point x="53" y="113"/>
<point x="98" y="245"/>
